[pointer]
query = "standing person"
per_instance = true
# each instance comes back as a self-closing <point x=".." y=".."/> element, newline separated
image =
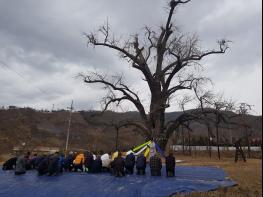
<point x="79" y="162"/>
<point x="155" y="165"/>
<point x="170" y="164"/>
<point x="239" y="150"/>
<point x="141" y="164"/>
<point x="129" y="163"/>
<point x="119" y="166"/>
<point x="21" y="165"/>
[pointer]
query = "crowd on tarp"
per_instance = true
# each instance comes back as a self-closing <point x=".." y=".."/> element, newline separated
<point x="117" y="163"/>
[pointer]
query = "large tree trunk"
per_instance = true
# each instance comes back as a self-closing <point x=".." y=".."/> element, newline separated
<point x="157" y="116"/>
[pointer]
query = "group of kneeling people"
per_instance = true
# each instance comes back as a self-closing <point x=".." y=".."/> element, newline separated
<point x="118" y="166"/>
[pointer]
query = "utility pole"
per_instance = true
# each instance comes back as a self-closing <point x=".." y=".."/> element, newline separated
<point x="69" y="122"/>
<point x="117" y="136"/>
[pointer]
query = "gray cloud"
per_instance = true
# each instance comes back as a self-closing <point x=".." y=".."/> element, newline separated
<point x="43" y="42"/>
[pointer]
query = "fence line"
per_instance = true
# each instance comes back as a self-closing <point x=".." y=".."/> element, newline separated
<point x="213" y="148"/>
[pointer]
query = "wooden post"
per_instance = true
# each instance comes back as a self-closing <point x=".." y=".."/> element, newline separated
<point x="116" y="139"/>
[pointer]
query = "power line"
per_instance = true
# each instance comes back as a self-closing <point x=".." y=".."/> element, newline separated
<point x="20" y="75"/>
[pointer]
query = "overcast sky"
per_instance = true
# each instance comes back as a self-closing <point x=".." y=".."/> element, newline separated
<point x="42" y="48"/>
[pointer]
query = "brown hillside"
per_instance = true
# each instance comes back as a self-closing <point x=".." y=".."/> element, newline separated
<point x="39" y="128"/>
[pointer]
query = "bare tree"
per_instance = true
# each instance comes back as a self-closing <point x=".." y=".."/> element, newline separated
<point x="165" y="58"/>
<point x="220" y="109"/>
<point x="204" y="99"/>
<point x="243" y="111"/>
<point x="182" y="104"/>
<point x="220" y="105"/>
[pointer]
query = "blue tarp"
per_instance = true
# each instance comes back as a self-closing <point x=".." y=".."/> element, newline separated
<point x="77" y="184"/>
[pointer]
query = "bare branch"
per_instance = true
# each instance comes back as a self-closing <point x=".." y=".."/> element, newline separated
<point x="118" y="86"/>
<point x="223" y="46"/>
<point x="139" y="125"/>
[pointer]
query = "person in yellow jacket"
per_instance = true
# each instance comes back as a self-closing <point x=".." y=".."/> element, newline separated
<point x="79" y="162"/>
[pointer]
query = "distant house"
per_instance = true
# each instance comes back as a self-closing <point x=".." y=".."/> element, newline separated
<point x="12" y="107"/>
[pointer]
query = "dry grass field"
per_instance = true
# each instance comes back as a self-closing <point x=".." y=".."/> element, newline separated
<point x="248" y="176"/>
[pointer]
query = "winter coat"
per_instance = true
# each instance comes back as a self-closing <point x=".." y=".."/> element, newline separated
<point x="89" y="159"/>
<point x="155" y="163"/>
<point x="105" y="160"/>
<point x="141" y="161"/>
<point x="119" y="164"/>
<point x="10" y="164"/>
<point x="53" y="166"/>
<point x="20" y="164"/>
<point x="130" y="160"/>
<point x="43" y="166"/>
<point x="96" y="166"/>
<point x="170" y="163"/>
<point x="68" y="161"/>
<point x="79" y="159"/>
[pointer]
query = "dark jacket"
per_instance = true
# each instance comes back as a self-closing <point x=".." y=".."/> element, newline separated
<point x="61" y="162"/>
<point x="43" y="166"/>
<point x="96" y="166"/>
<point x="119" y="164"/>
<point x="53" y="166"/>
<point x="38" y="160"/>
<point x="170" y="163"/>
<point x="68" y="161"/>
<point x="20" y="164"/>
<point x="130" y="160"/>
<point x="141" y="161"/>
<point x="10" y="164"/>
<point x="155" y="163"/>
<point x="89" y="160"/>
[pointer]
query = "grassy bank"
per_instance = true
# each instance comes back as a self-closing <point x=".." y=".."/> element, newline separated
<point x="248" y="176"/>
